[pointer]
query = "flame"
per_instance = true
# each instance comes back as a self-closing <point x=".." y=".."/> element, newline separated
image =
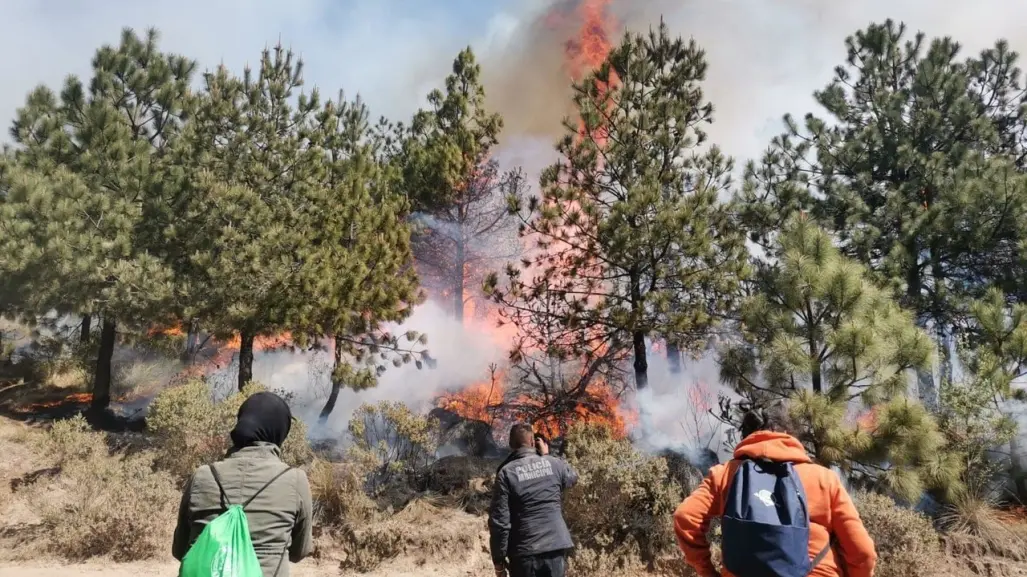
<point x="489" y="400"/>
<point x="174" y="330"/>
<point x="73" y="399"/>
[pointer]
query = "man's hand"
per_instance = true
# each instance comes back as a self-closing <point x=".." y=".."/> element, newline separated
<point x="540" y="446"/>
<point x="500" y="571"/>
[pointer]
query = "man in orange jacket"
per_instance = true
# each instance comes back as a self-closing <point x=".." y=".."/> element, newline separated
<point x="839" y="545"/>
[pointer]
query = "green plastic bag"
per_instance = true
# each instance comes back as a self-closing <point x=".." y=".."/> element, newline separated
<point x="223" y="549"/>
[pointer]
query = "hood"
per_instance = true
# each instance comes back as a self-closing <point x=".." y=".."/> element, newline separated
<point x="780" y="447"/>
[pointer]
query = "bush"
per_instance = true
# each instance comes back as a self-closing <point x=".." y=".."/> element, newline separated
<point x="620" y="511"/>
<point x="396" y="444"/>
<point x="192" y="429"/>
<point x="338" y="493"/>
<point x="104" y="504"/>
<point x="907" y="544"/>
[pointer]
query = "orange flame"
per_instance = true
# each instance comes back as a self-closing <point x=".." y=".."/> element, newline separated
<point x="488" y="400"/>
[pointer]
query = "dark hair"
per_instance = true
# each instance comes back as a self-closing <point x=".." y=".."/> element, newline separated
<point x="770" y="418"/>
<point x="521" y="435"/>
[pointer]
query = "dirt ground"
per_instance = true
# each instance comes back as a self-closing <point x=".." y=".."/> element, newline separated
<point x="171" y="569"/>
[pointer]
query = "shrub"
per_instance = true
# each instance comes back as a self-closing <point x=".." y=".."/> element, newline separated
<point x="907" y="544"/>
<point x="337" y="490"/>
<point x="622" y="506"/>
<point x="192" y="429"/>
<point x="395" y="443"/>
<point x="104" y="504"/>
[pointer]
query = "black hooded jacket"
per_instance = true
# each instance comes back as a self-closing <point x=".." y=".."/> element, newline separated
<point x="526" y="517"/>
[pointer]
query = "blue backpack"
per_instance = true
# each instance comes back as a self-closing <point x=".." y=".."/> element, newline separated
<point x="765" y="526"/>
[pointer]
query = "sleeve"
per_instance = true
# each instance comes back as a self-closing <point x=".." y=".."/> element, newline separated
<point x="302" y="531"/>
<point x="854" y="543"/>
<point x="183" y="529"/>
<point x="499" y="519"/>
<point x="692" y="522"/>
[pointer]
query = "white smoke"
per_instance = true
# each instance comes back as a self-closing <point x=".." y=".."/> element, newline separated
<point x="463" y="355"/>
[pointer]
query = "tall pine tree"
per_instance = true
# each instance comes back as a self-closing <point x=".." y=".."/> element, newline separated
<point x="363" y="271"/>
<point x="907" y="171"/>
<point x="90" y="156"/>
<point x="820" y="334"/>
<point x="629" y="230"/>
<point x="244" y="200"/>
<point x="457" y="190"/>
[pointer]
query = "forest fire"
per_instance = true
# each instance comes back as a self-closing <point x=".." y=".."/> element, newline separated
<point x="72" y="400"/>
<point x="492" y="401"/>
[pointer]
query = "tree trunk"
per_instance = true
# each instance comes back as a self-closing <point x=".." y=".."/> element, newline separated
<point x="816" y="378"/>
<point x="333" y="397"/>
<point x="1016" y="472"/>
<point x="673" y="357"/>
<point x="191" y="337"/>
<point x="914" y="285"/>
<point x="458" y="282"/>
<point x="87" y="326"/>
<point x="102" y="375"/>
<point x="246" y="338"/>
<point x="641" y="364"/>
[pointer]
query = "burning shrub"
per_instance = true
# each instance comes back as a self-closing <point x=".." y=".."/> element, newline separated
<point x="104" y="504"/>
<point x="394" y="442"/>
<point x="907" y="544"/>
<point x="622" y="505"/>
<point x="193" y="429"/>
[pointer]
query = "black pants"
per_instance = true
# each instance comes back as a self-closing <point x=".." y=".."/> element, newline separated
<point x="545" y="565"/>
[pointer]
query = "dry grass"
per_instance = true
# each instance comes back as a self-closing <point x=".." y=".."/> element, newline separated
<point x="907" y="544"/>
<point x="421" y="534"/>
<point x="975" y="514"/>
<point x="101" y="504"/>
<point x="338" y="493"/>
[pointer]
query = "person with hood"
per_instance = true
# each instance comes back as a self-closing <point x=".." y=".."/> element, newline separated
<point x="275" y="497"/>
<point x="764" y="497"/>
<point x="527" y="533"/>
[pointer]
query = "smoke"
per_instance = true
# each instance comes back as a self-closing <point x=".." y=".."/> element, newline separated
<point x="463" y="355"/>
<point x="674" y="412"/>
<point x="766" y="57"/>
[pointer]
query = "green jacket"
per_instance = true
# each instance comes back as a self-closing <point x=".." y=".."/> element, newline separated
<point x="279" y="518"/>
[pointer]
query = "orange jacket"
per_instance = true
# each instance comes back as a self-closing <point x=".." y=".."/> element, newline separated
<point x="831" y="510"/>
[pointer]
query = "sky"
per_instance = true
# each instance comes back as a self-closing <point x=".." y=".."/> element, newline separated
<point x="766" y="56"/>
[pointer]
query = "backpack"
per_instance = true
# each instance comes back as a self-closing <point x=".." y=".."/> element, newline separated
<point x="224" y="548"/>
<point x="765" y="526"/>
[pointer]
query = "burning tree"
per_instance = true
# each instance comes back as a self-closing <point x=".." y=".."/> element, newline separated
<point x="457" y="190"/>
<point x="629" y="229"/>
<point x="76" y="212"/>
<point x="820" y="334"/>
<point x="560" y="374"/>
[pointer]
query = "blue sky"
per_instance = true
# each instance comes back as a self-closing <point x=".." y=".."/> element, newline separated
<point x="766" y="56"/>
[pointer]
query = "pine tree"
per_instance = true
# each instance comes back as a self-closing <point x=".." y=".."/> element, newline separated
<point x="363" y="273"/>
<point x="976" y="407"/>
<point x="904" y="172"/>
<point x="457" y="189"/>
<point x="629" y="230"/>
<point x="821" y="334"/>
<point x="90" y="156"/>
<point x="245" y="198"/>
